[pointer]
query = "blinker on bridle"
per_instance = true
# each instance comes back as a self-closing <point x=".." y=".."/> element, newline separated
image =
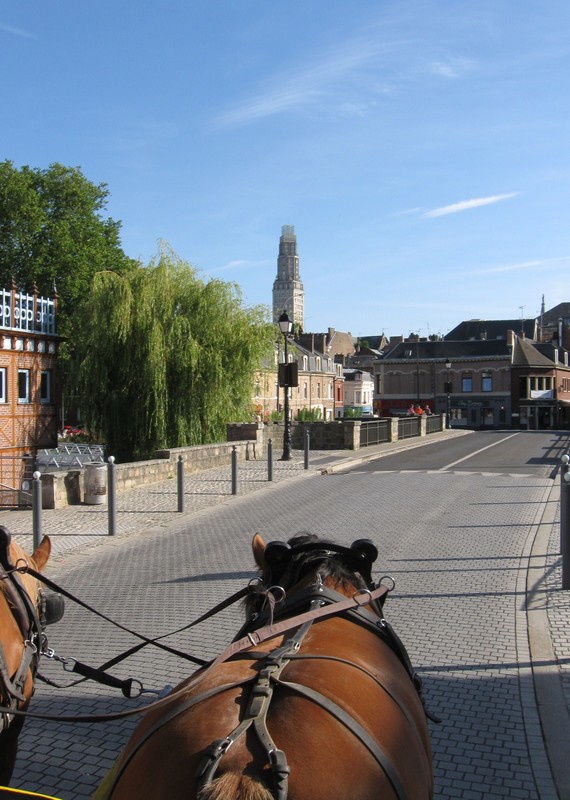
<point x="359" y="557"/>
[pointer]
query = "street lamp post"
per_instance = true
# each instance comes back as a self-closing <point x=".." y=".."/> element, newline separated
<point x="448" y="400"/>
<point x="285" y="326"/>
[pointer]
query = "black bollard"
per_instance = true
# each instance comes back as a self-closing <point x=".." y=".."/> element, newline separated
<point x="270" y="460"/>
<point x="180" y="477"/>
<point x="112" y="499"/>
<point x="36" y="509"/>
<point x="234" y="469"/>
<point x="565" y="520"/>
<point x="307" y="448"/>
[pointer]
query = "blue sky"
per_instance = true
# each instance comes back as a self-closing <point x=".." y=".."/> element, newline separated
<point x="420" y="149"/>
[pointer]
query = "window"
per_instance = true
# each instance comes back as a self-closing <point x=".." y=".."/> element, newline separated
<point x="486" y="382"/>
<point x="466" y="383"/>
<point x="3" y="386"/>
<point x="45" y="386"/>
<point x="305" y="392"/>
<point x="23" y="386"/>
<point x="319" y="390"/>
<point x="305" y="363"/>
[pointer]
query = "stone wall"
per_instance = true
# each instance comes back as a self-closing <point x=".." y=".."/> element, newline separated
<point x="65" y="488"/>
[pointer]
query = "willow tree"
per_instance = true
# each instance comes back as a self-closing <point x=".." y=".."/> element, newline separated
<point x="168" y="359"/>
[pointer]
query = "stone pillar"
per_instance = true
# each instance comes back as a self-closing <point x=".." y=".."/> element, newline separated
<point x="393" y="429"/>
<point x="351" y="434"/>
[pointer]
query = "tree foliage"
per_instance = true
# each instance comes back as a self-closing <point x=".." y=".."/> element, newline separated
<point x="168" y="359"/>
<point x="52" y="233"/>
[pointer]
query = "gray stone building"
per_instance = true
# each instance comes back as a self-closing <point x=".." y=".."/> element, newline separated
<point x="288" y="292"/>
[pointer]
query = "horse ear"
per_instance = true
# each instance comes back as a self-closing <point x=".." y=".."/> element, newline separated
<point x="258" y="547"/>
<point x="42" y="553"/>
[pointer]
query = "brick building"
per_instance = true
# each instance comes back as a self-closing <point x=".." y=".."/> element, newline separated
<point x="28" y="385"/>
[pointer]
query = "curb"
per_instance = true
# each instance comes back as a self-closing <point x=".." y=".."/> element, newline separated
<point x="549" y="691"/>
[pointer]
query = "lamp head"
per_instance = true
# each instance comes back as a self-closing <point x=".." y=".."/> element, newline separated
<point x="285" y="324"/>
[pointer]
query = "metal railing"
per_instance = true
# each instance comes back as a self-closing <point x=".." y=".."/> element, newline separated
<point x="69" y="455"/>
<point x="434" y="423"/>
<point x="375" y="431"/>
<point x="27" y="312"/>
<point x="408" y="427"/>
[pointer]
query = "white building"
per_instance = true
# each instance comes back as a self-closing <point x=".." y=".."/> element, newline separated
<point x="358" y="391"/>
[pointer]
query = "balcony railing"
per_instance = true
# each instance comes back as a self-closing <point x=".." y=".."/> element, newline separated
<point x="27" y="313"/>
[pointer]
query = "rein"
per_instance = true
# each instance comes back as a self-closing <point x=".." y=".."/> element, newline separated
<point x="252" y="639"/>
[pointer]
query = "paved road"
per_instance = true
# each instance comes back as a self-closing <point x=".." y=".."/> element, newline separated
<point x="460" y="548"/>
<point x="507" y="452"/>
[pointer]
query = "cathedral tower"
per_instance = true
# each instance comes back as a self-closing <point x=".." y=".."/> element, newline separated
<point x="288" y="293"/>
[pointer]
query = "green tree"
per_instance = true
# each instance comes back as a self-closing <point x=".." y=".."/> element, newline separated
<point x="52" y="233"/>
<point x="168" y="359"/>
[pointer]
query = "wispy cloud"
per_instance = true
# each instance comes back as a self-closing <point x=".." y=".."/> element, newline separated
<point x="16" y="31"/>
<point x="466" y="205"/>
<point x="522" y="265"/>
<point x="239" y="265"/>
<point x="304" y="85"/>
<point x="451" y="68"/>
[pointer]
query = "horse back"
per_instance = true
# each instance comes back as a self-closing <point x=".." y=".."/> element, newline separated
<point x="344" y="667"/>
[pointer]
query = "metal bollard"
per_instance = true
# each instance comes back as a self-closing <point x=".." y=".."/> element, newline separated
<point x="180" y="476"/>
<point x="36" y="509"/>
<point x="234" y="469"/>
<point x="270" y="460"/>
<point x="307" y="448"/>
<point x="565" y="520"/>
<point x="112" y="496"/>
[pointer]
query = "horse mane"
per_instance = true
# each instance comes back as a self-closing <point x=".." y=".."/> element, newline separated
<point x="230" y="786"/>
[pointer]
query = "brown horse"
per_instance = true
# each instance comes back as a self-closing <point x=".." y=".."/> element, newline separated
<point x="21" y="625"/>
<point x="315" y="698"/>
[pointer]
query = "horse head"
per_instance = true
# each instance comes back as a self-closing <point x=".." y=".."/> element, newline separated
<point x="305" y="561"/>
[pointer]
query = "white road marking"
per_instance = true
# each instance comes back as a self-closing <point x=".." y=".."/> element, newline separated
<point x="466" y="458"/>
